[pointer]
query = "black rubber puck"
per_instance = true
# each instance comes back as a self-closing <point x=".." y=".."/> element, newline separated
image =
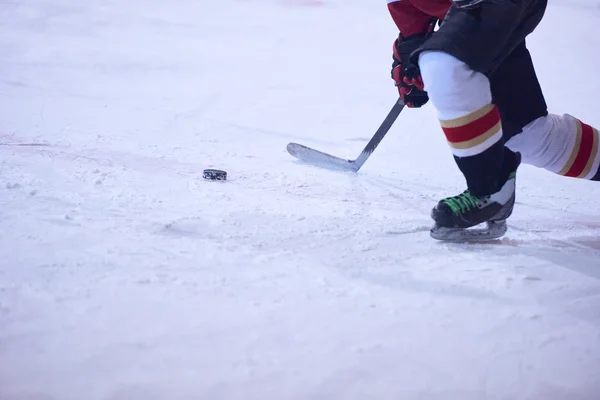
<point x="214" y="175"/>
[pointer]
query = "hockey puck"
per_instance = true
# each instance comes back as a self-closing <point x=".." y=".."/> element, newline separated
<point x="214" y="175"/>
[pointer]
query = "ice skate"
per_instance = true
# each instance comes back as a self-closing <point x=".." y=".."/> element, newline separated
<point x="457" y="218"/>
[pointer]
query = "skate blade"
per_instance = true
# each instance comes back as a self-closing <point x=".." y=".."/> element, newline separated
<point x="493" y="230"/>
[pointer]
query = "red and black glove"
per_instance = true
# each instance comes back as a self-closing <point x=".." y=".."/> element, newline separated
<point x="406" y="73"/>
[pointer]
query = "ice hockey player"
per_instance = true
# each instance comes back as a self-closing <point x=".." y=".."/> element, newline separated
<point x="479" y="75"/>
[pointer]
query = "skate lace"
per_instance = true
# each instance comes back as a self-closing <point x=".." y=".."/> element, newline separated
<point x="462" y="203"/>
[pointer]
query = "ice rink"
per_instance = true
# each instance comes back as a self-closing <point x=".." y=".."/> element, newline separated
<point x="126" y="276"/>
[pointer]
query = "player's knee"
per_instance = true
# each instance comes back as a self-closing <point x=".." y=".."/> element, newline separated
<point x="453" y="87"/>
<point x="543" y="142"/>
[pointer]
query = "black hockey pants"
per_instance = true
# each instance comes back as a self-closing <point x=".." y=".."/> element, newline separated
<point x="490" y="39"/>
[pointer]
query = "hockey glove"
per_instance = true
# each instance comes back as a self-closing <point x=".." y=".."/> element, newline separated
<point x="406" y="74"/>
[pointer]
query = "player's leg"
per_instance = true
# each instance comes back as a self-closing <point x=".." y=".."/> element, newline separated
<point x="561" y="144"/>
<point x="473" y="129"/>
<point x="455" y="65"/>
<point x="517" y="92"/>
<point x="558" y="143"/>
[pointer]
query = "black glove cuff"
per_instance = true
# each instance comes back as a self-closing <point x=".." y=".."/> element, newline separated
<point x="405" y="46"/>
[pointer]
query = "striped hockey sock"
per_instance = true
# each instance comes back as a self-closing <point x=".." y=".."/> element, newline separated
<point x="561" y="144"/>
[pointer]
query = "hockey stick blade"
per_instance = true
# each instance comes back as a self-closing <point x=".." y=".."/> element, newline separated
<point x="319" y="158"/>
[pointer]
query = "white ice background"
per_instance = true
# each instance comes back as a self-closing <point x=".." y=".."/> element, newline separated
<point x="126" y="276"/>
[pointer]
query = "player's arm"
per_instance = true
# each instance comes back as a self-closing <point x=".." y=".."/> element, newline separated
<point x="409" y="19"/>
<point x="415" y="25"/>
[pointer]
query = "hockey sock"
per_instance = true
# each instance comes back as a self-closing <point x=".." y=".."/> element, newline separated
<point x="561" y="144"/>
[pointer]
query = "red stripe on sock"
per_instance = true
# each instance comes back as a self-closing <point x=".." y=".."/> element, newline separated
<point x="585" y="151"/>
<point x="474" y="129"/>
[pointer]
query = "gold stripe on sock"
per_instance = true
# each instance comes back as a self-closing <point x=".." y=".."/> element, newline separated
<point x="575" y="151"/>
<point x="467" y="119"/>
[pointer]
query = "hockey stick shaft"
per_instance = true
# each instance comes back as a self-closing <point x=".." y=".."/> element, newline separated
<point x="380" y="134"/>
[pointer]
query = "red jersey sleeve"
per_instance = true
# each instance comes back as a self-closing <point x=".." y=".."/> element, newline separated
<point x="413" y="16"/>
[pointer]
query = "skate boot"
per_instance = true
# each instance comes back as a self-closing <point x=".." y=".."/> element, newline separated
<point x="454" y="216"/>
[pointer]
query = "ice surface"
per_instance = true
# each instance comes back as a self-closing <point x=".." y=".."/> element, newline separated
<point x="124" y="275"/>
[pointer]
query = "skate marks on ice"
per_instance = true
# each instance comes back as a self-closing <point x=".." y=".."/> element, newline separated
<point x="571" y="238"/>
<point x="399" y="196"/>
<point x="417" y="282"/>
<point x="25" y="144"/>
<point x="414" y="195"/>
<point x="575" y="250"/>
<point x="417" y="228"/>
<point x="11" y="140"/>
<point x="559" y="280"/>
<point x="548" y="251"/>
<point x="570" y="241"/>
<point x="409" y="280"/>
<point x="105" y="158"/>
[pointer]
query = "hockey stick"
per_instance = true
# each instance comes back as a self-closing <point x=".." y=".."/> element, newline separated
<point x="319" y="158"/>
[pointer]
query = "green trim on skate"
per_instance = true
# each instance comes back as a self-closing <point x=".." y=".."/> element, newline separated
<point x="465" y="201"/>
<point x="462" y="203"/>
